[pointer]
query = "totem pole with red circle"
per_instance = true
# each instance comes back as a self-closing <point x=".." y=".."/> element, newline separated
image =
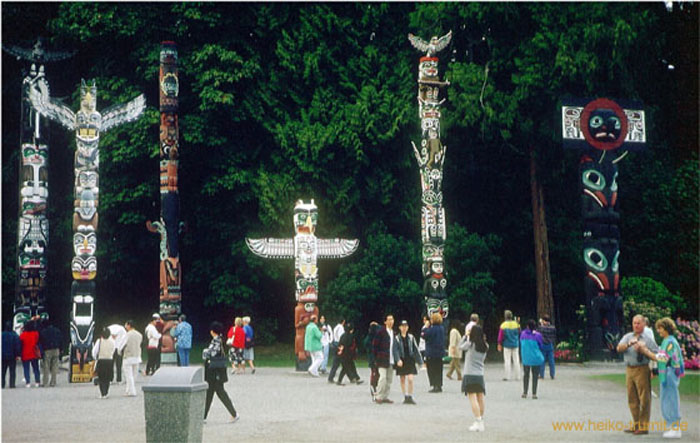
<point x="605" y="131"/>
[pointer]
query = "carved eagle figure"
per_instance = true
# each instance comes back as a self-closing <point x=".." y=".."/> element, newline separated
<point x="37" y="54"/>
<point x="433" y="47"/>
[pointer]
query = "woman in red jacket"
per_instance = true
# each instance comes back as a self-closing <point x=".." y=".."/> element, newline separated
<point x="30" y="352"/>
<point x="236" y="339"/>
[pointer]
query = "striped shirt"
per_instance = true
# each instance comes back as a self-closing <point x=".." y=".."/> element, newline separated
<point x="549" y="334"/>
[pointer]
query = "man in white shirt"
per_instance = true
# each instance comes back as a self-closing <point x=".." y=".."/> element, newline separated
<point x="118" y="334"/>
<point x="132" y="357"/>
<point x="153" y="348"/>
<point x="338" y="332"/>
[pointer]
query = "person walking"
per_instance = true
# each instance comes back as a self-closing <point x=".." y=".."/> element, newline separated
<point x="153" y="346"/>
<point x="434" y="351"/>
<point x="182" y="333"/>
<point x="473" y="385"/>
<point x="508" y="344"/>
<point x="118" y="333"/>
<point x="347" y="350"/>
<point x="216" y="376"/>
<point x="236" y="339"/>
<point x="384" y="357"/>
<point x="407" y="357"/>
<point x="248" y="351"/>
<point x="549" y="342"/>
<point x="30" y="352"/>
<point x="635" y="346"/>
<point x="371" y="361"/>
<point x="103" y="353"/>
<point x="531" y="347"/>
<point x="326" y="341"/>
<point x="11" y="352"/>
<point x="50" y="339"/>
<point x="454" y="352"/>
<point x="338" y="332"/>
<point x="312" y="345"/>
<point x="132" y="357"/>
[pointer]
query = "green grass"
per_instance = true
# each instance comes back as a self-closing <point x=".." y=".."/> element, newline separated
<point x="689" y="387"/>
<point x="273" y="356"/>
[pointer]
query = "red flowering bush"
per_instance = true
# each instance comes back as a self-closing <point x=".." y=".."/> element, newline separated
<point x="688" y="337"/>
<point x="562" y="353"/>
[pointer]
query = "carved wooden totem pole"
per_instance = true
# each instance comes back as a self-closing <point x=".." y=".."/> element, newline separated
<point x="33" y="226"/>
<point x="305" y="249"/>
<point x="605" y="132"/>
<point x="88" y="124"/>
<point x="169" y="226"/>
<point x="431" y="158"/>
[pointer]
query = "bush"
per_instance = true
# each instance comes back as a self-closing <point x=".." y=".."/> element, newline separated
<point x="688" y="337"/>
<point x="652" y="292"/>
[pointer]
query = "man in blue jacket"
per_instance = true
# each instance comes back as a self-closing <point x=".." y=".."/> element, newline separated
<point x="11" y="351"/>
<point x="183" y="334"/>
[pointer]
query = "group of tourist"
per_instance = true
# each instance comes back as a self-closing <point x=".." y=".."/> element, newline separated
<point x="241" y="342"/>
<point x="39" y="340"/>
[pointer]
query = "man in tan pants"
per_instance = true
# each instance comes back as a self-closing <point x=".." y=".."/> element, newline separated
<point x="638" y="376"/>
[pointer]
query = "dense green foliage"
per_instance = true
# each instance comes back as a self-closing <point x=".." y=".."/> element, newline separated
<point x="286" y="101"/>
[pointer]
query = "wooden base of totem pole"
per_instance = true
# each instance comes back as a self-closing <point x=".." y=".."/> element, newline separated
<point x="84" y="375"/>
<point x="301" y="320"/>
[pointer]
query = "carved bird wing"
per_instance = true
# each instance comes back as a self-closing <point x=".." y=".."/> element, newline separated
<point x="37" y="56"/>
<point x="418" y="43"/>
<point x="49" y="107"/>
<point x="336" y="248"/>
<point x="272" y="247"/>
<point x="443" y="42"/>
<point x="123" y="113"/>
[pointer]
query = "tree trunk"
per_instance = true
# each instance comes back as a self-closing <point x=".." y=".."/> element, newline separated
<point x="545" y="301"/>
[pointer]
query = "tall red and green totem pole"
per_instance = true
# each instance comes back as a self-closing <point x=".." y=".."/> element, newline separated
<point x="169" y="225"/>
<point x="604" y="130"/>
<point x="431" y="158"/>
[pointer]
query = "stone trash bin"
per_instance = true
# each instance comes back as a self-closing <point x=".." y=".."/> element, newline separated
<point x="174" y="404"/>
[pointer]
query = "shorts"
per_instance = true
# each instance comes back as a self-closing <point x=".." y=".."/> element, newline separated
<point x="249" y="354"/>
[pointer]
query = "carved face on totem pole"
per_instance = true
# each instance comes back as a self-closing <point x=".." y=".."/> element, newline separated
<point x="305" y="217"/>
<point x="428" y="68"/>
<point x="599" y="189"/>
<point x="87" y="118"/>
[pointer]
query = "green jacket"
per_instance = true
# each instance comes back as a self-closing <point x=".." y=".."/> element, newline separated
<point x="312" y="338"/>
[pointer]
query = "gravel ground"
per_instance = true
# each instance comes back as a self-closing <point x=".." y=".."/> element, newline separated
<point x="281" y="405"/>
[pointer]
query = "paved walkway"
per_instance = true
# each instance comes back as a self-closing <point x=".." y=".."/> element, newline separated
<point x="277" y="404"/>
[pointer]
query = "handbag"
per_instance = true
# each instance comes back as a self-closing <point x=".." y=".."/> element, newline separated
<point x="218" y="361"/>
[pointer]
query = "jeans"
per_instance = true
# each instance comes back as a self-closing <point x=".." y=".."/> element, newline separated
<point x="548" y="352"/>
<point x="12" y="366"/>
<point x="35" y="366"/>
<point x="534" y="370"/>
<point x="184" y="356"/>
<point x="670" y="401"/>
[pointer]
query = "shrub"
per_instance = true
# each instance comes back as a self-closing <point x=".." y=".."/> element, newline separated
<point x="648" y="290"/>
<point x="688" y="337"/>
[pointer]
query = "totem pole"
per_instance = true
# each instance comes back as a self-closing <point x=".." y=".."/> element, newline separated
<point x="431" y="158"/>
<point x="169" y="226"/>
<point x="33" y="226"/>
<point x="305" y="249"/>
<point x="602" y="129"/>
<point x="88" y="124"/>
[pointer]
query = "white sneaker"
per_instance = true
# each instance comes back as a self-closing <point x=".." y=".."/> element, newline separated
<point x="672" y="434"/>
<point x="477" y="426"/>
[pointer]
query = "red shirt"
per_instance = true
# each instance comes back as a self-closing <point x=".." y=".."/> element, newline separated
<point x="30" y="340"/>
<point x="238" y="335"/>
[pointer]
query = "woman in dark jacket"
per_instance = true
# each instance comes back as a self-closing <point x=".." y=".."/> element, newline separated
<point x="434" y="351"/>
<point x="407" y="356"/>
<point x="347" y="350"/>
<point x="216" y="377"/>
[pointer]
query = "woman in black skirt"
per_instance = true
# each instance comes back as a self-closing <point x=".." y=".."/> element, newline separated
<point x="473" y="374"/>
<point x="407" y="355"/>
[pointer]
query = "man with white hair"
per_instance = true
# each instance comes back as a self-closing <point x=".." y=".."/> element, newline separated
<point x="248" y="353"/>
